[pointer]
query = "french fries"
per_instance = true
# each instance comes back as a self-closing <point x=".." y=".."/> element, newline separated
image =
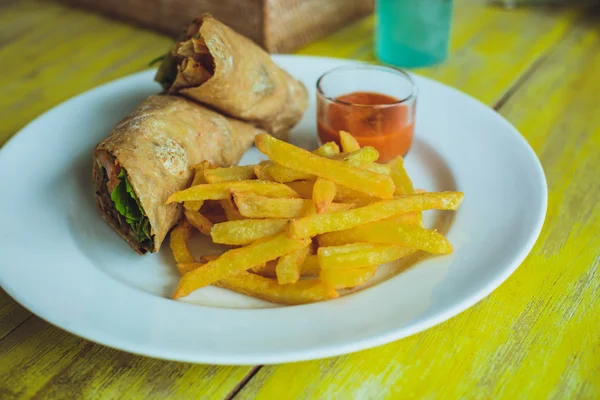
<point x="360" y="214"/>
<point x="179" y="243"/>
<point x="198" y="221"/>
<point x="289" y="266"/>
<point x="301" y="160"/>
<point x="323" y="194"/>
<point x="268" y="289"/>
<point x="253" y="206"/>
<point x="221" y="191"/>
<point x="322" y="223"/>
<point x="235" y="173"/>
<point x="360" y="255"/>
<point x="243" y="232"/>
<point x="198" y="179"/>
<point x="348" y="278"/>
<point x="390" y="232"/>
<point x="348" y="142"/>
<point x="236" y="260"/>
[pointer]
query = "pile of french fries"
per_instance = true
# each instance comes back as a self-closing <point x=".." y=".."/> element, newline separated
<point x="303" y="225"/>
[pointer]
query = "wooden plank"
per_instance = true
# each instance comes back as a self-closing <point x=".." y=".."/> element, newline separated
<point x="490" y="49"/>
<point x="50" y="53"/>
<point x="12" y="314"/>
<point x="537" y="335"/>
<point x="39" y="360"/>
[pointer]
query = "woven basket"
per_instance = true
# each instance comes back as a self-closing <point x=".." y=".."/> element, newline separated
<point x="277" y="25"/>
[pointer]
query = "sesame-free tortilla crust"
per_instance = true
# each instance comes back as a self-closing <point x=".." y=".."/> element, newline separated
<point x="245" y="84"/>
<point x="157" y="144"/>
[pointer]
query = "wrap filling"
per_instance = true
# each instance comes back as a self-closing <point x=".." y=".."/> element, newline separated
<point x="120" y="203"/>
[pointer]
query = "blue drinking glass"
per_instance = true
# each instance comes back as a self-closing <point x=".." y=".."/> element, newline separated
<point x="413" y="33"/>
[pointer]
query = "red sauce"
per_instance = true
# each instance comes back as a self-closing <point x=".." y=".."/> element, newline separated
<point x="390" y="129"/>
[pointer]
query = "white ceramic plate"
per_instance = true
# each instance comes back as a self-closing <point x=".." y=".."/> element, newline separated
<point x="61" y="261"/>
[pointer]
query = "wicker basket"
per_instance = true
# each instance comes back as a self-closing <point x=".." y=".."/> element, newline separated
<point x="277" y="25"/>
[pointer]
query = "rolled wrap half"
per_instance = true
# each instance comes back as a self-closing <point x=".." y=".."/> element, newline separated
<point x="148" y="156"/>
<point x="212" y="64"/>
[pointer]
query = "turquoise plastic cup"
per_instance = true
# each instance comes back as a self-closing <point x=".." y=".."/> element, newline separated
<point x="413" y="33"/>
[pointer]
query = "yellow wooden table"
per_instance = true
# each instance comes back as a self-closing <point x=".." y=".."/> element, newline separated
<point x="535" y="337"/>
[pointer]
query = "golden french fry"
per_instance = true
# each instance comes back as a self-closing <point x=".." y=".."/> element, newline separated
<point x="323" y="194"/>
<point x="390" y="232"/>
<point x="310" y="266"/>
<point x="378" y="168"/>
<point x="235" y="261"/>
<point x="209" y="257"/>
<point x="231" y="210"/>
<point x="235" y="173"/>
<point x="348" y="142"/>
<point x="347" y="278"/>
<point x="246" y="231"/>
<point x="178" y="240"/>
<point x="360" y="255"/>
<point x="358" y="158"/>
<point x="342" y="194"/>
<point x="221" y="191"/>
<point x="301" y="160"/>
<point x="260" y="170"/>
<point x="253" y="206"/>
<point x="198" y="179"/>
<point x="198" y="221"/>
<point x="328" y="149"/>
<point x="313" y="225"/>
<point x="301" y="292"/>
<point x="401" y="179"/>
<point x="289" y="266"/>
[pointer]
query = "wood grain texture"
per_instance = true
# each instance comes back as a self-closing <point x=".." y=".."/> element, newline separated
<point x="54" y="53"/>
<point x="536" y="337"/>
<point x="490" y="49"/>
<point x="39" y="360"/>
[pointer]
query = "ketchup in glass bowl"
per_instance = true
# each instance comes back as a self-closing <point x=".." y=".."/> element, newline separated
<point x="375" y="104"/>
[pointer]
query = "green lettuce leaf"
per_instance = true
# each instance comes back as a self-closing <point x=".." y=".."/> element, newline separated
<point x="128" y="205"/>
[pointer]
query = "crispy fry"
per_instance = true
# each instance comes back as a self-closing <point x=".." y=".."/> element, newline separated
<point x="390" y="232"/>
<point x="348" y="142"/>
<point x="302" y="292"/>
<point x="309" y="267"/>
<point x="313" y="225"/>
<point x="209" y="257"/>
<point x="289" y="266"/>
<point x="178" y="241"/>
<point x="231" y="210"/>
<point x="401" y="179"/>
<point x="347" y="278"/>
<point x="342" y="194"/>
<point x="235" y="173"/>
<point x="235" y="261"/>
<point x="260" y="170"/>
<point x="246" y="231"/>
<point x="360" y="255"/>
<point x="198" y="221"/>
<point x="198" y="179"/>
<point x="221" y="191"/>
<point x="323" y="194"/>
<point x="301" y="160"/>
<point x="328" y="149"/>
<point x="253" y="206"/>
<point x="378" y="168"/>
<point x="358" y="158"/>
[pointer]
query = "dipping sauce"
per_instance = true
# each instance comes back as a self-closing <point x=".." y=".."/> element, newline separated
<point x="374" y="119"/>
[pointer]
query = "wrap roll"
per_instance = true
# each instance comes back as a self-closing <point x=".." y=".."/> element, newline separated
<point x="212" y="64"/>
<point x="148" y="156"/>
